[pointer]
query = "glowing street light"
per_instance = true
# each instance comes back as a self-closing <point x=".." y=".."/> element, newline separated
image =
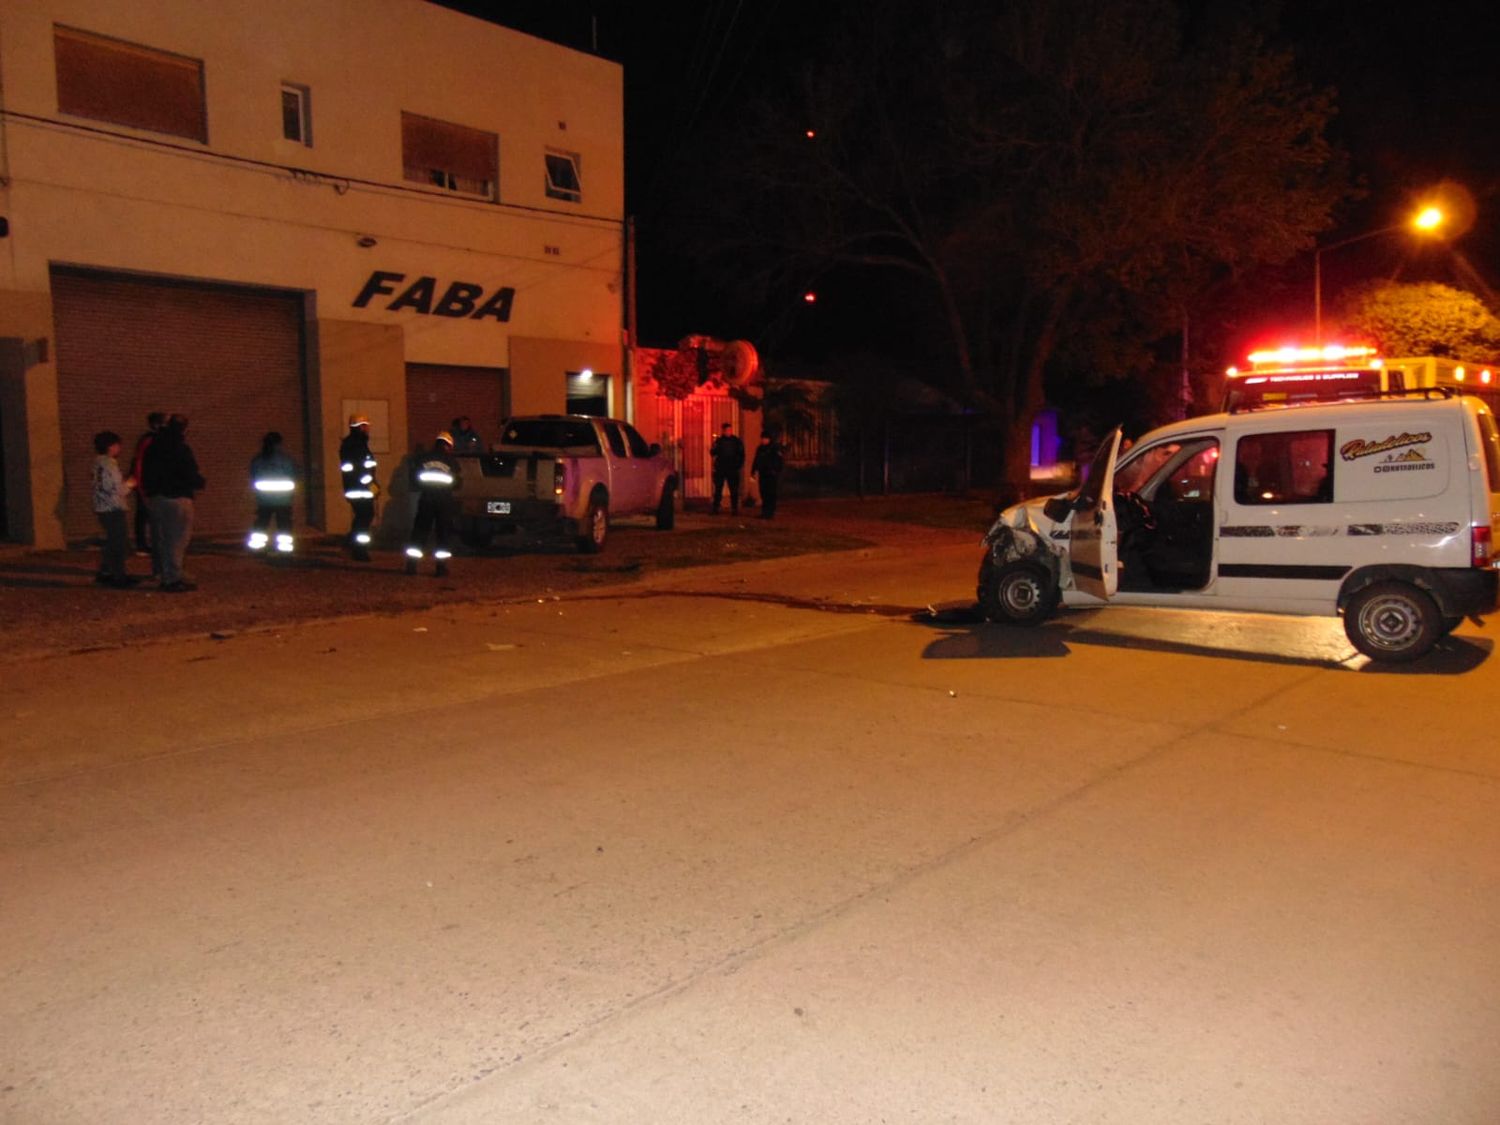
<point x="1429" y="220"/>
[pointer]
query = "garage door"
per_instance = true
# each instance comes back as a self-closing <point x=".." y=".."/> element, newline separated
<point x="230" y="359"/>
<point x="436" y="394"/>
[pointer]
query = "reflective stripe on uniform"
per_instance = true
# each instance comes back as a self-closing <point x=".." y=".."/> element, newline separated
<point x="347" y="467"/>
<point x="435" y="476"/>
<point x="358" y="494"/>
<point x="440" y="553"/>
<point x="362" y="537"/>
<point x="284" y="542"/>
<point x="274" y="485"/>
<point x="414" y="552"/>
<point x="257" y="541"/>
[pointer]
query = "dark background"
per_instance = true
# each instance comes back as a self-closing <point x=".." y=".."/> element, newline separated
<point x="1418" y="105"/>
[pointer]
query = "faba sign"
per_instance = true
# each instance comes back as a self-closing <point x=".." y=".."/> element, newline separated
<point x="459" y="299"/>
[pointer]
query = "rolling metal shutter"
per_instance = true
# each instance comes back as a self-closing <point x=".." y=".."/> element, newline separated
<point x="230" y="359"/>
<point x="435" y="395"/>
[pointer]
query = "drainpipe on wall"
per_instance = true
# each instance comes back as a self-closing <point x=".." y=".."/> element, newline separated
<point x="628" y="367"/>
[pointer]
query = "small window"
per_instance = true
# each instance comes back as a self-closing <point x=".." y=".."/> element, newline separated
<point x="616" y="442"/>
<point x="127" y="84"/>
<point x="452" y="157"/>
<point x="296" y="113"/>
<point x="638" y="446"/>
<point x="562" y="176"/>
<point x="1284" y="468"/>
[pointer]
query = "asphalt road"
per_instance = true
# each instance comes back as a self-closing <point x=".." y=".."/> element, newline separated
<point x="753" y="844"/>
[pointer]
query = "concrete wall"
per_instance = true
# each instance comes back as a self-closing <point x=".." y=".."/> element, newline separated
<point x="539" y="369"/>
<point x="32" y="436"/>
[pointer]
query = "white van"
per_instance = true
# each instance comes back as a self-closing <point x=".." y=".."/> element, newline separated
<point x="1383" y="509"/>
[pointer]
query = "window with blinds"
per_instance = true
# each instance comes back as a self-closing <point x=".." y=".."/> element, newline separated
<point x="127" y="84"/>
<point x="452" y="157"/>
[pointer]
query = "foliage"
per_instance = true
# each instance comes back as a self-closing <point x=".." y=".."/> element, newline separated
<point x="1423" y="319"/>
<point x="1033" y="167"/>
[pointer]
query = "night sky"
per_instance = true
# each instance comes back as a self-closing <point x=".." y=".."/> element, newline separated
<point x="1417" y="95"/>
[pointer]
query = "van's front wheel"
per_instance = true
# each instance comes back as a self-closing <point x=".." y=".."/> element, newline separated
<point x="1016" y="593"/>
<point x="1393" y="621"/>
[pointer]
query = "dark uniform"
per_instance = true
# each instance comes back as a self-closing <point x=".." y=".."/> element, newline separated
<point x="434" y="475"/>
<point x="728" y="453"/>
<point x="273" y="475"/>
<point x="357" y="465"/>
<point x="766" y="468"/>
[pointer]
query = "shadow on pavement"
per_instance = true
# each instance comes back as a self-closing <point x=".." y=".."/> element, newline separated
<point x="967" y="636"/>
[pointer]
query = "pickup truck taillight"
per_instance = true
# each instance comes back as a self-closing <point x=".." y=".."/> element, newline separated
<point x="559" y="472"/>
<point x="1479" y="536"/>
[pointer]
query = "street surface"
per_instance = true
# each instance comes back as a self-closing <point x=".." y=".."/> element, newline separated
<point x="753" y="843"/>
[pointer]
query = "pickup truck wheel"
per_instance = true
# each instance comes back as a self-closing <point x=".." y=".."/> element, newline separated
<point x="595" y="526"/>
<point x="666" y="510"/>
<point x="1016" y="593"/>
<point x="1393" y="621"/>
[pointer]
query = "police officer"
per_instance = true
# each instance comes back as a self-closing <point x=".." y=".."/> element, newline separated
<point x="770" y="458"/>
<point x="434" y="475"/>
<point x="357" y="464"/>
<point x="728" y="454"/>
<point x="273" y="475"/>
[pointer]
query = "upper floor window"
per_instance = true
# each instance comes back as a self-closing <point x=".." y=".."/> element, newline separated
<point x="452" y="157"/>
<point x="127" y="84"/>
<point x="562" y="176"/>
<point x="296" y="113"/>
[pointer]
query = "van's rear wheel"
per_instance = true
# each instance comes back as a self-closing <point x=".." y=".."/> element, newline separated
<point x="1393" y="621"/>
<point x="1016" y="593"/>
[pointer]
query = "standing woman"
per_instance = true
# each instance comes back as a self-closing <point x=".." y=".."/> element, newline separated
<point x="273" y="475"/>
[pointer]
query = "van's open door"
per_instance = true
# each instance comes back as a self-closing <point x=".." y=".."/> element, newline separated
<point x="1094" y="542"/>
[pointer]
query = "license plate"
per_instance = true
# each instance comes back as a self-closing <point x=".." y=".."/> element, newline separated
<point x="498" y="507"/>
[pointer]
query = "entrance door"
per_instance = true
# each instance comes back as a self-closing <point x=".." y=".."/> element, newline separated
<point x="690" y="425"/>
<point x="436" y="394"/>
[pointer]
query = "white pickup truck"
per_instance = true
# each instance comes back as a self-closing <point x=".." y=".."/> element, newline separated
<point x="566" y="474"/>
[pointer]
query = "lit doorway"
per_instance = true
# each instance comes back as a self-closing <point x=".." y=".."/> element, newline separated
<point x="588" y="393"/>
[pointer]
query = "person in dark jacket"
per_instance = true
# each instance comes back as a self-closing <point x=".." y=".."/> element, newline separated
<point x="357" y="465"/>
<point x="766" y="468"/>
<point x="154" y="422"/>
<point x="466" y="439"/>
<point x="273" y="476"/>
<point x="728" y="453"/>
<point x="170" y="478"/>
<point x="434" y="475"/>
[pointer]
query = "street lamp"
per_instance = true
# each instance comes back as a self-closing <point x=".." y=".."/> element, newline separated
<point x="1426" y="221"/>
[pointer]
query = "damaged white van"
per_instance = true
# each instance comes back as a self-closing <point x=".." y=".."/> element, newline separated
<point x="1382" y="509"/>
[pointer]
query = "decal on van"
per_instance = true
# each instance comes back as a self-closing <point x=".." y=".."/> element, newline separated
<point x="1401" y="462"/>
<point x="1413" y="528"/>
<point x="1359" y="447"/>
<point x="1282" y="531"/>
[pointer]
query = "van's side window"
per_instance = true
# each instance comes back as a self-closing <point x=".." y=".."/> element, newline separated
<point x="1294" y="467"/>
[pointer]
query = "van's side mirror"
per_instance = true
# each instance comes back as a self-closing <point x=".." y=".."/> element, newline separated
<point x="1058" y="508"/>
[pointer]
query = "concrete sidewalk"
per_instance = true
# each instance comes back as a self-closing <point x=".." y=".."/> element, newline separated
<point x="49" y="603"/>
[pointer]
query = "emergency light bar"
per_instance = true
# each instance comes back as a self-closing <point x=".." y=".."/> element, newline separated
<point x="1332" y="353"/>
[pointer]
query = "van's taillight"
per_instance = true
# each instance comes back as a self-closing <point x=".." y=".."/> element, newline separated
<point x="558" y="471"/>
<point x="1479" y="535"/>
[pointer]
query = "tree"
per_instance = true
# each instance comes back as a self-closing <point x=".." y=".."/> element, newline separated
<point x="1423" y="319"/>
<point x="1026" y="167"/>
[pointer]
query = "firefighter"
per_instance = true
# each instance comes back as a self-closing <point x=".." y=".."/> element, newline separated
<point x="273" y="475"/>
<point x="357" y="464"/>
<point x="434" y="475"/>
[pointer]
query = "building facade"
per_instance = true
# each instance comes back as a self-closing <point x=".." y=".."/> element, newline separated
<point x="270" y="214"/>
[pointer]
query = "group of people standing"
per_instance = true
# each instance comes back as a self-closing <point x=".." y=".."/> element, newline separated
<point x="164" y="478"/>
<point x="728" y="456"/>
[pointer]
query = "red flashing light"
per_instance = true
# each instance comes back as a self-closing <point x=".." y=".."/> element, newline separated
<point x="1330" y="353"/>
<point x="810" y="297"/>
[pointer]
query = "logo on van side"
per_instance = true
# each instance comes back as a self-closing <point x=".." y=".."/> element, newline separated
<point x="1397" y="462"/>
<point x="1359" y="447"/>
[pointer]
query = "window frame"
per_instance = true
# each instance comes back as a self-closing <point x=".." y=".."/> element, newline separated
<point x="1241" y="486"/>
<point x="553" y="189"/>
<point x="446" y="179"/>
<point x="128" y="47"/>
<point x="303" y="94"/>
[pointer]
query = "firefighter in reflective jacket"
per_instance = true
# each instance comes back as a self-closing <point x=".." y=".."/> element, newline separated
<point x="357" y="464"/>
<point x="434" y="475"/>
<point x="273" y="475"/>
